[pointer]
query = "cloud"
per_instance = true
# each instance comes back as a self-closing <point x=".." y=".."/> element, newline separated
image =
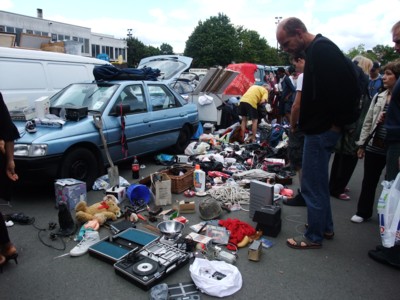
<point x="6" y="4"/>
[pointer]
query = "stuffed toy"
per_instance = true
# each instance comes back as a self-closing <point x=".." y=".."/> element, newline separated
<point x="100" y="212"/>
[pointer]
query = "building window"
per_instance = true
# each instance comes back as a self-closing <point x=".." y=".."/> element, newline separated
<point x="18" y="31"/>
<point x="38" y="32"/>
<point x="74" y="38"/>
<point x="2" y="28"/>
<point x="44" y="33"/>
<point x="67" y="37"/>
<point x="86" y="46"/>
<point x="29" y="31"/>
<point x="60" y="37"/>
<point x="10" y="29"/>
<point x="54" y="37"/>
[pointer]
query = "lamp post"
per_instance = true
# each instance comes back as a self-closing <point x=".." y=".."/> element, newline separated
<point x="129" y="33"/>
<point x="277" y="20"/>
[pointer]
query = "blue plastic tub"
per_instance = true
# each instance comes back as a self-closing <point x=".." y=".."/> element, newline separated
<point x="138" y="194"/>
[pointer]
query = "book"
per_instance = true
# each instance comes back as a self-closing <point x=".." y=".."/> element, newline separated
<point x="199" y="238"/>
<point x="218" y="234"/>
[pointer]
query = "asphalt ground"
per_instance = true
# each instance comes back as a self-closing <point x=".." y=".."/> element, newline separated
<point x="341" y="269"/>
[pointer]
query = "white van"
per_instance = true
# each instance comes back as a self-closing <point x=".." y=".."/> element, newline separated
<point x="26" y="75"/>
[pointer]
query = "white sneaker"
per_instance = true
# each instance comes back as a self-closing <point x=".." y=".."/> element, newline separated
<point x="357" y="219"/>
<point x="89" y="238"/>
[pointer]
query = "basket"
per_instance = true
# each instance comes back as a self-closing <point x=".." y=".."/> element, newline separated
<point x="179" y="184"/>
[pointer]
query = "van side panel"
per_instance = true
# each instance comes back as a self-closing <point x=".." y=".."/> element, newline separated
<point x="26" y="75"/>
<point x="22" y="80"/>
<point x="62" y="74"/>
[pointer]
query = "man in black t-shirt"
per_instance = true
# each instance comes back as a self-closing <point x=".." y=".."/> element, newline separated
<point x="325" y="70"/>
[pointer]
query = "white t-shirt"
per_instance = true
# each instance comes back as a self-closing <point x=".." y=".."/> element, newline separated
<point x="299" y="85"/>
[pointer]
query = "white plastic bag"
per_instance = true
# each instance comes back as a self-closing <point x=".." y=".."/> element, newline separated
<point x="205" y="99"/>
<point x="215" y="278"/>
<point x="389" y="212"/>
<point x="195" y="148"/>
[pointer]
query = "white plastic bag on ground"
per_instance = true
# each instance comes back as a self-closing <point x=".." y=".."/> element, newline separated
<point x="215" y="278"/>
<point x="389" y="212"/>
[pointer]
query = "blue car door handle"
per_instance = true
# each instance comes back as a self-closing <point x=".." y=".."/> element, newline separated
<point x="146" y="120"/>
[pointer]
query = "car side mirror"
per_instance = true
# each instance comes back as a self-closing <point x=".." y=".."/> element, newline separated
<point x="122" y="109"/>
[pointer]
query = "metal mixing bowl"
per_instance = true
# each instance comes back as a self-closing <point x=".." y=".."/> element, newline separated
<point x="170" y="229"/>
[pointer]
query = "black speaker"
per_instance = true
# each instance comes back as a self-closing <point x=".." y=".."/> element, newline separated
<point x="268" y="215"/>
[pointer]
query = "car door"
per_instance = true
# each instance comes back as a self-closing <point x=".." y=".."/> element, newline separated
<point x="133" y="133"/>
<point x="167" y="114"/>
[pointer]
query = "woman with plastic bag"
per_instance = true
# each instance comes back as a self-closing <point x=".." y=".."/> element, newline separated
<point x="371" y="144"/>
<point x="391" y="255"/>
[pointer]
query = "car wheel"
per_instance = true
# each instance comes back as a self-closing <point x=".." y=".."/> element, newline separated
<point x="80" y="164"/>
<point x="183" y="140"/>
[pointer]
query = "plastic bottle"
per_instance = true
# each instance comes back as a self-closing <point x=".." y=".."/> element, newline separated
<point x="135" y="168"/>
<point x="199" y="179"/>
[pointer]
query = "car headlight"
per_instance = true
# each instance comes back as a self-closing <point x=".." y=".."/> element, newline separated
<point x="31" y="150"/>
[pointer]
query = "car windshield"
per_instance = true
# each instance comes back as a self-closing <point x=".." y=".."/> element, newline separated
<point x="94" y="96"/>
<point x="168" y="68"/>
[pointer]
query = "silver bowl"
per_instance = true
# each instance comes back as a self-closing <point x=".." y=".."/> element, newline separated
<point x="170" y="229"/>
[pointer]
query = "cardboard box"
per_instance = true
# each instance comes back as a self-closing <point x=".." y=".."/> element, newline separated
<point x="70" y="190"/>
<point x="161" y="186"/>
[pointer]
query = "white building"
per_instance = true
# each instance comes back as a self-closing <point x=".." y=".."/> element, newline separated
<point x="31" y="32"/>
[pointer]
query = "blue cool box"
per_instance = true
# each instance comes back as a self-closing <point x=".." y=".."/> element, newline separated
<point x="113" y="249"/>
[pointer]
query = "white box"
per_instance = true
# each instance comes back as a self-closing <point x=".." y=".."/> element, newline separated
<point x="42" y="107"/>
<point x="118" y="192"/>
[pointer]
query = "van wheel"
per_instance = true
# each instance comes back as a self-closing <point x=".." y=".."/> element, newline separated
<point x="80" y="164"/>
<point x="183" y="140"/>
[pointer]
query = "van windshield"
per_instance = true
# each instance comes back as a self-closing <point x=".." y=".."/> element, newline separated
<point x="94" y="96"/>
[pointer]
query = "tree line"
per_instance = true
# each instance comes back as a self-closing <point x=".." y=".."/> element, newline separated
<point x="217" y="42"/>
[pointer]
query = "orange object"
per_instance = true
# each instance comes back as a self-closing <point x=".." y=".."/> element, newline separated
<point x="141" y="217"/>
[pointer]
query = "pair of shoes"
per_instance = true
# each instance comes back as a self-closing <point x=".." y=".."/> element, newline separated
<point x="10" y="252"/>
<point x="357" y="219"/>
<point x="343" y="196"/>
<point x="297" y="200"/>
<point x="327" y="235"/>
<point x="301" y="242"/>
<point x="89" y="238"/>
<point x="388" y="256"/>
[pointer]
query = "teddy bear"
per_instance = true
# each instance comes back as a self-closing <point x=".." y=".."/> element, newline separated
<point x="99" y="212"/>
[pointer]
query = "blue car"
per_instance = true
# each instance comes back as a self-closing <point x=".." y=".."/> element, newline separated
<point x="137" y="117"/>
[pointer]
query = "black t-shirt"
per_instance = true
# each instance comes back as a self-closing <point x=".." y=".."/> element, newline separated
<point x="326" y="78"/>
<point x="8" y="131"/>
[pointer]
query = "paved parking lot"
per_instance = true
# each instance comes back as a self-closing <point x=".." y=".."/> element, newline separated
<point x="340" y="270"/>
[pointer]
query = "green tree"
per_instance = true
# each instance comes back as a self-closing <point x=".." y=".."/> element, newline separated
<point x="166" y="49"/>
<point x="136" y="51"/>
<point x="384" y="54"/>
<point x="213" y="42"/>
<point x="380" y="53"/>
<point x="253" y="48"/>
<point x="152" y="51"/>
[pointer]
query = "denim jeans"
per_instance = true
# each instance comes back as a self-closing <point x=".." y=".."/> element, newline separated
<point x="315" y="183"/>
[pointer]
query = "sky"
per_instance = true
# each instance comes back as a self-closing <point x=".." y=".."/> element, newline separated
<point x="348" y="23"/>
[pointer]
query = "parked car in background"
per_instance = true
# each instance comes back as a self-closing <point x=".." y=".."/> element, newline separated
<point x="138" y="117"/>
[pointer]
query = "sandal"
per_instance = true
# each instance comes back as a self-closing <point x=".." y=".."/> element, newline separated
<point x="301" y="242"/>
<point x="327" y="235"/>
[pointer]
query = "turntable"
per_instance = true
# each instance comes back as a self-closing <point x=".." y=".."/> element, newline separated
<point x="151" y="264"/>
